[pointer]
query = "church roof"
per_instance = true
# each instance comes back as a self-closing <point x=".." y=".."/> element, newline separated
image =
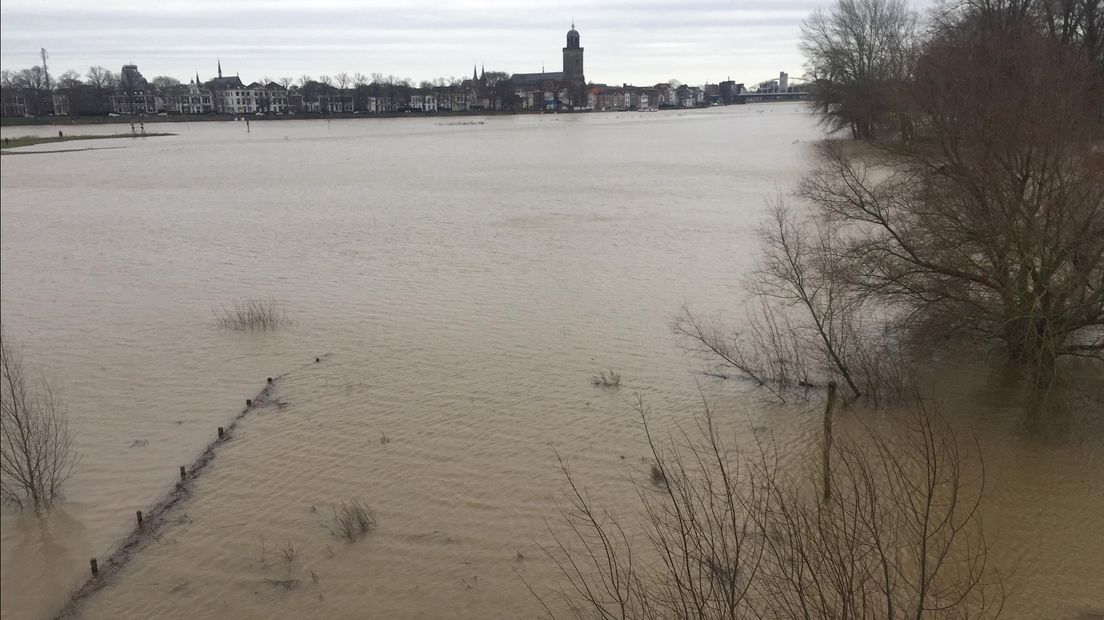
<point x="534" y="79"/>
<point x="224" y="83"/>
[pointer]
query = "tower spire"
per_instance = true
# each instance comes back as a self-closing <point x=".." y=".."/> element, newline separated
<point x="475" y="74"/>
<point x="220" y="67"/>
<point x="197" y="78"/>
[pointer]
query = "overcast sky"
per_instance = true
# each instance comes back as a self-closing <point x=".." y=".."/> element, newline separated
<point x="635" y="41"/>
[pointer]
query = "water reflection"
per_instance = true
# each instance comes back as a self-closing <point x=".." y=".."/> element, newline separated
<point x="45" y="548"/>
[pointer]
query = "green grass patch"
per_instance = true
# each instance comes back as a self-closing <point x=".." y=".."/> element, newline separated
<point x="11" y="143"/>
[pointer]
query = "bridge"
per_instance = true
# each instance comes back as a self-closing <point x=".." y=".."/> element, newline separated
<point x="781" y="88"/>
<point x="755" y="97"/>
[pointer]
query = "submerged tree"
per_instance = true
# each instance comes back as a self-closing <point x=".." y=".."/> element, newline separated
<point x="811" y="324"/>
<point x="36" y="449"/>
<point x="986" y="225"/>
<point x="858" y="54"/>
<point x="1078" y="24"/>
<point x="727" y="534"/>
<point x="991" y="222"/>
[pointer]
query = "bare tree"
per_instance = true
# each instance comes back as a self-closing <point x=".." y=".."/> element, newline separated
<point x="342" y="81"/>
<point x="69" y="79"/>
<point x="811" y="324"/>
<point x="1077" y="23"/>
<point x="991" y="224"/>
<point x="35" y="83"/>
<point x="36" y="451"/>
<point x="102" y="80"/>
<point x="988" y="225"/>
<point x="769" y="350"/>
<point x="73" y="94"/>
<point x="494" y="77"/>
<point x="800" y="268"/>
<point x="857" y="54"/>
<point x="727" y="534"/>
<point x="164" y="83"/>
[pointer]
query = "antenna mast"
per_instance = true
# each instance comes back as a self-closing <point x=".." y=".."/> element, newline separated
<point x="45" y="70"/>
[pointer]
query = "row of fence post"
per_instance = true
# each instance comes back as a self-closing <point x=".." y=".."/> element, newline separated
<point x="183" y="470"/>
<point x="183" y="474"/>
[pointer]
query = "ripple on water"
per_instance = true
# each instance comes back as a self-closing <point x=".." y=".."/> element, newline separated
<point x="468" y="281"/>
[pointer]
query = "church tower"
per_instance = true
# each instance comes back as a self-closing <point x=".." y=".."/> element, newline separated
<point x="573" y="57"/>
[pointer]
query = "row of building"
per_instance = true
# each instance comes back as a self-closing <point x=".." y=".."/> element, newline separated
<point x="132" y="94"/>
<point x="230" y="95"/>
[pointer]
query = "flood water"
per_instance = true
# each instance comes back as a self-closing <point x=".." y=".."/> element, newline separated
<point x="461" y="283"/>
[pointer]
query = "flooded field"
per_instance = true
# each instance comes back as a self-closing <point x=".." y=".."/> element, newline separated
<point x="461" y="284"/>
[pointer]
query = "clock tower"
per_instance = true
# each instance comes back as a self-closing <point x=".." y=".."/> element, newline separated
<point x="573" y="57"/>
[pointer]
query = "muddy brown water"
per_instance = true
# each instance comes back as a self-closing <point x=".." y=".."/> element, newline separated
<point x="466" y="282"/>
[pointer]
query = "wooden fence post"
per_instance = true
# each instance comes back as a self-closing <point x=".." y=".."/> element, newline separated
<point x="827" y="458"/>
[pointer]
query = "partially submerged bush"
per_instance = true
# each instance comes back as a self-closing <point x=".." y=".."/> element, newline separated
<point x="895" y="532"/>
<point x="352" y="520"/>
<point x="36" y="449"/>
<point x="607" y="379"/>
<point x="252" y="314"/>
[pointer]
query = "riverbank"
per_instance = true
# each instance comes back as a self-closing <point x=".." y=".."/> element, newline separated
<point x="189" y="118"/>
<point x="11" y="143"/>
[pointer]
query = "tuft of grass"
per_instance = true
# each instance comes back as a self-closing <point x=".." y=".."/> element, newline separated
<point x="352" y="520"/>
<point x="607" y="379"/>
<point x="659" y="477"/>
<point x="252" y="314"/>
<point x="287" y="553"/>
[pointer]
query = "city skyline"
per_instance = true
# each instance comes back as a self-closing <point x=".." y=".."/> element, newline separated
<point x="634" y="42"/>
